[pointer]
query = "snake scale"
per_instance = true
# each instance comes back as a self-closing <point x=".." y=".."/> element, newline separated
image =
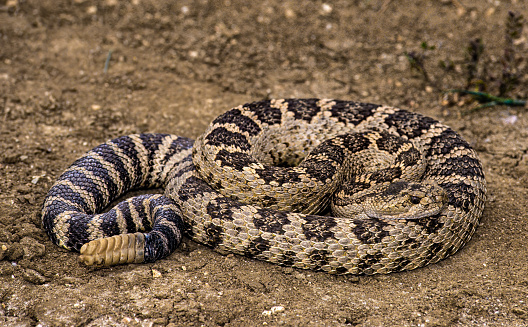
<point x="266" y="180"/>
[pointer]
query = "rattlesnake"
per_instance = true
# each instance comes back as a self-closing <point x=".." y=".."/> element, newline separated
<point x="243" y="188"/>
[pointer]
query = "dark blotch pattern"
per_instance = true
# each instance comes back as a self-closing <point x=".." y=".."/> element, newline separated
<point x="268" y="201"/>
<point x="287" y="258"/>
<point x="445" y="143"/>
<point x="319" y="258"/>
<point x="317" y="228"/>
<point x="270" y="221"/>
<point x="220" y="208"/>
<point x="193" y="186"/>
<point x="278" y="174"/>
<point x="461" y="166"/>
<point x="237" y="160"/>
<point x="214" y="234"/>
<point x="264" y="112"/>
<point x="356" y="142"/>
<point x="396" y="187"/>
<point x="431" y="224"/>
<point x="220" y="136"/>
<point x="256" y="246"/>
<point x="460" y="194"/>
<point x="409" y="124"/>
<point x="409" y="157"/>
<point x="386" y="175"/>
<point x="244" y="123"/>
<point x="352" y="112"/>
<point x="366" y="263"/>
<point x="329" y="149"/>
<point x="370" y="231"/>
<point x="304" y="109"/>
<point x="389" y="143"/>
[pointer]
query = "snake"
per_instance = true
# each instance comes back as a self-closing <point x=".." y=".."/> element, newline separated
<point x="329" y="185"/>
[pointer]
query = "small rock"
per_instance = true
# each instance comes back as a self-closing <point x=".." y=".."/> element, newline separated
<point x="326" y="8"/>
<point x="273" y="310"/>
<point x="73" y="280"/>
<point x="510" y="120"/>
<point x="11" y="3"/>
<point x="33" y="277"/>
<point x="15" y="252"/>
<point x="156" y="273"/>
<point x="519" y="312"/>
<point x="3" y="250"/>
<point x="6" y="268"/>
<point x="32" y="248"/>
<point x="92" y="10"/>
<point x="27" y="229"/>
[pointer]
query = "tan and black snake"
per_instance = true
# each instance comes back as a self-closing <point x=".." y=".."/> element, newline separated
<point x="267" y="179"/>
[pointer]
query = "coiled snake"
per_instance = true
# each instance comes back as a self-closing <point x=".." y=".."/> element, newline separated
<point x="410" y="191"/>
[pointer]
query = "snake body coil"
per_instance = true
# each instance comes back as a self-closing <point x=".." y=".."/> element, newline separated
<point x="410" y="189"/>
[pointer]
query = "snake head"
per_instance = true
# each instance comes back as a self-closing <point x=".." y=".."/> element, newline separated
<point x="408" y="200"/>
<point x="397" y="200"/>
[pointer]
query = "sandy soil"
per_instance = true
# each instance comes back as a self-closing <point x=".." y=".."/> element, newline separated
<point x="174" y="66"/>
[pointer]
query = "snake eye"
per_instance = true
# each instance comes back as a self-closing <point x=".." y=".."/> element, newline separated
<point x="415" y="199"/>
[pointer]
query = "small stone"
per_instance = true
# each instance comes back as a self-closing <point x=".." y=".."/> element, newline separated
<point x="6" y="268"/>
<point x="274" y="310"/>
<point x="156" y="273"/>
<point x="490" y="11"/>
<point x="3" y="250"/>
<point x="96" y="107"/>
<point x="510" y="120"/>
<point x="33" y="277"/>
<point x="326" y="8"/>
<point x="289" y="13"/>
<point x="91" y="10"/>
<point x="15" y="252"/>
<point x="32" y="248"/>
<point x="11" y="3"/>
<point x="519" y="312"/>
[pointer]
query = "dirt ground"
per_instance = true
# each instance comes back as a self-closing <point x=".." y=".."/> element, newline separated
<point x="175" y="65"/>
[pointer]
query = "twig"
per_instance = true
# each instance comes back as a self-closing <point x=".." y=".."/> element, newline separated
<point x="107" y="62"/>
<point x="489" y="100"/>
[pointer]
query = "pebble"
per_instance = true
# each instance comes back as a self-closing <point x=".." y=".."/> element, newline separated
<point x="92" y="10"/>
<point x="3" y="250"/>
<point x="156" y="273"/>
<point x="273" y="310"/>
<point x="33" y="276"/>
<point x="32" y="248"/>
<point x="326" y="8"/>
<point x="510" y="120"/>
